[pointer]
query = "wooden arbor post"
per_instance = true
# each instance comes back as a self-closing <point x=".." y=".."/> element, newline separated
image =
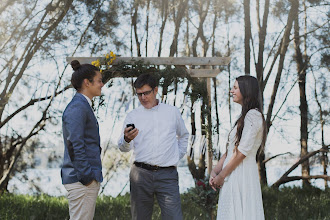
<point x="206" y="72"/>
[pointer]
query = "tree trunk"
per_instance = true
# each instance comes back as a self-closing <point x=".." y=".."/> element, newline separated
<point x="262" y="31"/>
<point x="164" y="19"/>
<point x="247" y="36"/>
<point x="214" y="79"/>
<point x="282" y="52"/>
<point x="134" y="23"/>
<point x="187" y="48"/>
<point x="209" y="127"/>
<point x="147" y="26"/>
<point x="283" y="49"/>
<point x="200" y="31"/>
<point x="229" y="73"/>
<point x="301" y="69"/>
<point x="177" y="21"/>
<point x="324" y="158"/>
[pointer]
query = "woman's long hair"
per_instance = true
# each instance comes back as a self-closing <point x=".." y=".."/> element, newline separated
<point x="249" y="88"/>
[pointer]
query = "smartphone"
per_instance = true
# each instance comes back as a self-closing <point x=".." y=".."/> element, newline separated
<point x="130" y="125"/>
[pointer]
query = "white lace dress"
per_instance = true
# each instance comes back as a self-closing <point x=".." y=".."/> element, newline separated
<point x="240" y="196"/>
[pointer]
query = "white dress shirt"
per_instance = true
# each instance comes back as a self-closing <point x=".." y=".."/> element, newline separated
<point x="88" y="100"/>
<point x="162" y="139"/>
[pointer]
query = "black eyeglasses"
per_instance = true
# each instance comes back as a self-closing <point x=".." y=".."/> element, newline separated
<point x="144" y="93"/>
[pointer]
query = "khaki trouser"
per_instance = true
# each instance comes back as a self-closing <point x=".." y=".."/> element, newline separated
<point x="82" y="200"/>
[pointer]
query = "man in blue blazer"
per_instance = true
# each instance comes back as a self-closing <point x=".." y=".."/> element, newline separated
<point x="82" y="168"/>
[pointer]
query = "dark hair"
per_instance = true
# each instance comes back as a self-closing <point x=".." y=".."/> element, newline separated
<point x="249" y="88"/>
<point x="146" y="79"/>
<point x="81" y="72"/>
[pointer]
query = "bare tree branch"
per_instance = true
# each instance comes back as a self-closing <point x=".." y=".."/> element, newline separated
<point x="30" y="103"/>
<point x="294" y="166"/>
<point x="286" y="97"/>
<point x="284" y="46"/>
<point x="294" y="178"/>
<point x="273" y="157"/>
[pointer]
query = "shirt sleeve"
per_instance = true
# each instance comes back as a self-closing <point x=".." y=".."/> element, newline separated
<point x="182" y="134"/>
<point x="122" y="144"/>
<point x="74" y="121"/>
<point x="252" y="126"/>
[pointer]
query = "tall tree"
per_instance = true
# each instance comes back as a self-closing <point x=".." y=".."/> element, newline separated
<point x="147" y="25"/>
<point x="302" y="71"/>
<point x="262" y="33"/>
<point x="178" y="12"/>
<point x="134" y="24"/>
<point x="202" y="9"/>
<point x="164" y="16"/>
<point x="22" y="44"/>
<point x="247" y="36"/>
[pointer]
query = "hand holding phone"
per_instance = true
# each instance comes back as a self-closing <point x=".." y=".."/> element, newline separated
<point x="128" y="135"/>
<point x="130" y="125"/>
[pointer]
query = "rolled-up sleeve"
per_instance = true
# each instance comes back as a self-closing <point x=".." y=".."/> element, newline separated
<point x="122" y="144"/>
<point x="182" y="134"/>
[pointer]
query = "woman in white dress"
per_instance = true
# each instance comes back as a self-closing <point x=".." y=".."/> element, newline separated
<point x="236" y="173"/>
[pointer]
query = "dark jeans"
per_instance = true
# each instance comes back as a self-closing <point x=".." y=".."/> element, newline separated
<point x="163" y="183"/>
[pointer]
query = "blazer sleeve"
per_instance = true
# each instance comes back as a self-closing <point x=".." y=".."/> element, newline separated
<point x="75" y="122"/>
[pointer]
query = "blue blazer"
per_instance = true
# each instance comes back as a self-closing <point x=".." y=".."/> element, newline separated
<point x="82" y="161"/>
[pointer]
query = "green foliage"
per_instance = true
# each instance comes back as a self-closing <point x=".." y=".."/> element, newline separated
<point x="205" y="197"/>
<point x="296" y="203"/>
<point x="33" y="207"/>
<point x="113" y="208"/>
<point x="285" y="203"/>
<point x="167" y="76"/>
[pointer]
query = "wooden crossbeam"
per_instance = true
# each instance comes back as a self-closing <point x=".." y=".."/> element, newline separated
<point x="216" y="61"/>
<point x="202" y="73"/>
<point x="208" y="73"/>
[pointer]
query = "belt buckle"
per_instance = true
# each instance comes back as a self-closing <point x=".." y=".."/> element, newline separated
<point x="156" y="168"/>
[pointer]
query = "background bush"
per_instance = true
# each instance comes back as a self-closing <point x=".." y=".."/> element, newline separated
<point x="284" y="203"/>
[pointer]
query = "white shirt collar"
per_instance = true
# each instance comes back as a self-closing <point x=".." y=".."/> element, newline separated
<point x="153" y="108"/>
<point x="89" y="101"/>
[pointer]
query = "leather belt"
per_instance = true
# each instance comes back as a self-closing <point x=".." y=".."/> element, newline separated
<point x="151" y="167"/>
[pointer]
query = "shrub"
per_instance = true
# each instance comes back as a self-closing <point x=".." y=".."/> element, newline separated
<point x="197" y="204"/>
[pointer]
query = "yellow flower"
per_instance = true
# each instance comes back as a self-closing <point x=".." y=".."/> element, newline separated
<point x="107" y="56"/>
<point x="96" y="63"/>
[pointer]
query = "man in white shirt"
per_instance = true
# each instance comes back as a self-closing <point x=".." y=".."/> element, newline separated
<point x="159" y="140"/>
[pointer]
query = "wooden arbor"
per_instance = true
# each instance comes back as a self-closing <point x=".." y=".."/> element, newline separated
<point x="205" y="71"/>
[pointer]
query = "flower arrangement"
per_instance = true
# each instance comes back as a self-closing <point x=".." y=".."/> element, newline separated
<point x="105" y="62"/>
